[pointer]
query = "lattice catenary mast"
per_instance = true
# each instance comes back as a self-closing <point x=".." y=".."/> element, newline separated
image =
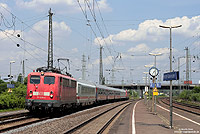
<point x="50" y="42"/>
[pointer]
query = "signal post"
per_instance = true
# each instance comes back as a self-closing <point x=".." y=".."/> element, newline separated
<point x="154" y="72"/>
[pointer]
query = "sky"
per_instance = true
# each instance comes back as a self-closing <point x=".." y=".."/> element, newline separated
<point x="128" y="31"/>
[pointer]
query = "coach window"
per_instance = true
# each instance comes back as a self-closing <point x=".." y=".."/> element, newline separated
<point x="49" y="80"/>
<point x="35" y="79"/>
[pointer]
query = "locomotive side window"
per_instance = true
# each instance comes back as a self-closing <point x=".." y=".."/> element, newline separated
<point x="73" y="83"/>
<point x="49" y="80"/>
<point x="35" y="79"/>
<point x="65" y="82"/>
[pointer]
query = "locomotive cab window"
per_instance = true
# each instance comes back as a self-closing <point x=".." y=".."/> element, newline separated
<point x="35" y="79"/>
<point x="49" y="80"/>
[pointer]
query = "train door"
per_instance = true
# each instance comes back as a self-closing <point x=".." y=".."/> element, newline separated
<point x="60" y="88"/>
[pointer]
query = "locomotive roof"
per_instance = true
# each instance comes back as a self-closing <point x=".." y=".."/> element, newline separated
<point x="52" y="74"/>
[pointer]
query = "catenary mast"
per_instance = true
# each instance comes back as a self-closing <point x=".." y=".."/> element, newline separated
<point x="50" y="42"/>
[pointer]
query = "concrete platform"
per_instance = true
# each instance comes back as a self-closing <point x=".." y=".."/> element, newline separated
<point x="147" y="122"/>
<point x="138" y="119"/>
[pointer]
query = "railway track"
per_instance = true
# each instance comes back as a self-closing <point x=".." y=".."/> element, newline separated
<point x="18" y="120"/>
<point x="12" y="116"/>
<point x="184" y="107"/>
<point x="64" y="124"/>
<point x="98" y="123"/>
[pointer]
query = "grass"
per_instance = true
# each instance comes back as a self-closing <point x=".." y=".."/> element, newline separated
<point x="11" y="109"/>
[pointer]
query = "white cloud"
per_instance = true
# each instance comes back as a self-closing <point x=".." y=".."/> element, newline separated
<point x="2" y="10"/>
<point x="106" y="61"/>
<point x="197" y="43"/>
<point x="66" y="5"/>
<point x="149" y="30"/>
<point x="42" y="26"/>
<point x="105" y="41"/>
<point x="74" y="50"/>
<point x="103" y="5"/>
<point x="139" y="48"/>
<point x="161" y="50"/>
<point x="60" y="32"/>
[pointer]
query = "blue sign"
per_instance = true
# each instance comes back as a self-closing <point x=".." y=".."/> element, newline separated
<point x="10" y="85"/>
<point x="171" y="76"/>
<point x="158" y="85"/>
<point x="152" y="85"/>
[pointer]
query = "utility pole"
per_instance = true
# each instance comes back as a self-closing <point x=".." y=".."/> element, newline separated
<point x="83" y="67"/>
<point x="101" y="67"/>
<point x="112" y="77"/>
<point x="23" y="72"/>
<point x="50" y="42"/>
<point x="179" y="73"/>
<point x="122" y="82"/>
<point x="187" y="67"/>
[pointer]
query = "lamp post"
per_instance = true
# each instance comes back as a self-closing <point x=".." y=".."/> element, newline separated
<point x="154" y="81"/>
<point x="145" y="78"/>
<point x="155" y="54"/>
<point x="10" y="70"/>
<point x="170" y="29"/>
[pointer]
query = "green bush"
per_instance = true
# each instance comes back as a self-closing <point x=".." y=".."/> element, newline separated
<point x="191" y="95"/>
<point x="185" y="94"/>
<point x="3" y="87"/>
<point x="16" y="99"/>
<point x="196" y="90"/>
<point x="194" y="97"/>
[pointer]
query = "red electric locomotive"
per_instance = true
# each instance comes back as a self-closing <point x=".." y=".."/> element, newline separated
<point x="49" y="91"/>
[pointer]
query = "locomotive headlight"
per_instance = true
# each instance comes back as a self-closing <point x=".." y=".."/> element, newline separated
<point x="31" y="94"/>
<point x="51" y="94"/>
<point x="49" y="105"/>
<point x="29" y="103"/>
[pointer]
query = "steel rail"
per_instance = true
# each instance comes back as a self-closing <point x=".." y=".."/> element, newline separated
<point x="90" y="119"/>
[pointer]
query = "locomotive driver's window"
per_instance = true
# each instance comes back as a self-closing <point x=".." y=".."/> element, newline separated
<point x="35" y="79"/>
<point x="49" y="80"/>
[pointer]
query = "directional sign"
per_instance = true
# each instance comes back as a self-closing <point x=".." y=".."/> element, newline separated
<point x="152" y="85"/>
<point x="171" y="76"/>
<point x="10" y="85"/>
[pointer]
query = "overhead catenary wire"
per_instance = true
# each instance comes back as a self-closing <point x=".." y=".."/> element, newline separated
<point x="22" y="21"/>
<point x="24" y="49"/>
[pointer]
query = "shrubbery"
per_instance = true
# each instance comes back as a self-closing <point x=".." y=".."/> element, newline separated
<point x="133" y="93"/>
<point x="191" y="95"/>
<point x="16" y="99"/>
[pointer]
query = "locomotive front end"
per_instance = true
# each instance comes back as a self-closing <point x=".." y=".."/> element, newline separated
<point x="42" y="91"/>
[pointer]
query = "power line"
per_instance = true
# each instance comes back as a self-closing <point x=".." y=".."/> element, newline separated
<point x="22" y="21"/>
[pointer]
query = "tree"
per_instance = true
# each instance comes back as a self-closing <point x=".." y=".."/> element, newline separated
<point x="1" y="81"/>
<point x="19" y="78"/>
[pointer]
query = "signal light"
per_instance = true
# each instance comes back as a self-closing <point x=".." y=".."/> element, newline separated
<point x="51" y="94"/>
<point x="42" y="73"/>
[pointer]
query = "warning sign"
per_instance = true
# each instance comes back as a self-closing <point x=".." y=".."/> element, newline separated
<point x="155" y="93"/>
<point x="145" y="93"/>
<point x="155" y="90"/>
<point x="9" y="90"/>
